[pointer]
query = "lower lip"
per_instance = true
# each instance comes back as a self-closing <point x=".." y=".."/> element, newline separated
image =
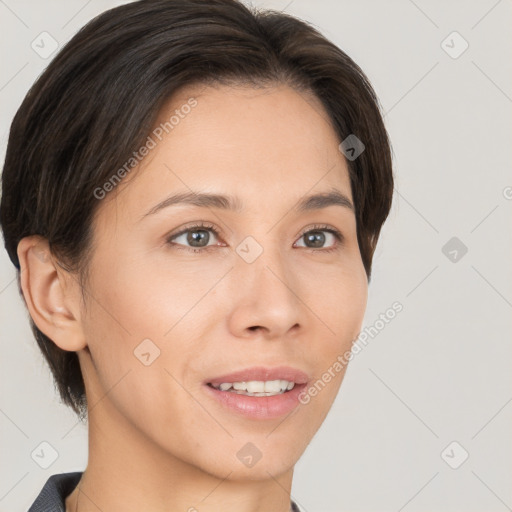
<point x="258" y="407"/>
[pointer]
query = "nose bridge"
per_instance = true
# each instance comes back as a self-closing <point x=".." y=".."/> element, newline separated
<point x="266" y="295"/>
<point x="264" y="260"/>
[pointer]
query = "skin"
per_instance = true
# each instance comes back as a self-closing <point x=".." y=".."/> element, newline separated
<point x="156" y="440"/>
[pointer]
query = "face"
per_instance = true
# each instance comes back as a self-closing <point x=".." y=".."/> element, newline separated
<point x="189" y="296"/>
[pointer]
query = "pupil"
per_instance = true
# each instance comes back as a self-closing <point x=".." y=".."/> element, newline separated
<point x="317" y="238"/>
<point x="198" y="235"/>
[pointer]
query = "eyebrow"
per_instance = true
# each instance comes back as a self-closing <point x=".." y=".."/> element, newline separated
<point x="317" y="201"/>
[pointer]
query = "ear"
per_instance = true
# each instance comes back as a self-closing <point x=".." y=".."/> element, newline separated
<point x="51" y="294"/>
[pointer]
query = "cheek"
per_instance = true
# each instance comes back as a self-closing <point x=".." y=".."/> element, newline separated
<point x="120" y="317"/>
<point x="162" y="300"/>
<point x="339" y="298"/>
<point x="138" y="370"/>
<point x="135" y="326"/>
<point x="341" y="312"/>
<point x="136" y="300"/>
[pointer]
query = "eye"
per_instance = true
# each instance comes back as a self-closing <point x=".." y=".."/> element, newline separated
<point x="197" y="236"/>
<point x="316" y="237"/>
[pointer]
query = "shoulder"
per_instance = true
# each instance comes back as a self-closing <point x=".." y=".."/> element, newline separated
<point x="295" y="507"/>
<point x="54" y="493"/>
<point x="56" y="489"/>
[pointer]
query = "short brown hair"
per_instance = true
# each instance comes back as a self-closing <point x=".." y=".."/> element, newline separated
<point x="109" y="83"/>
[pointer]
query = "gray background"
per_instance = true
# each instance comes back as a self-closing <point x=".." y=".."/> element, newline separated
<point x="437" y="373"/>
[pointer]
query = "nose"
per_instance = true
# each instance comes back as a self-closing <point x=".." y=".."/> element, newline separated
<point x="266" y="298"/>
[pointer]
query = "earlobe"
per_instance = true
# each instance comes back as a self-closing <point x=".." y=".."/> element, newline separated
<point x="51" y="294"/>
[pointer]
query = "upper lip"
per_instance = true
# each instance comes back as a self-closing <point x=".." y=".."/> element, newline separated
<point x="261" y="373"/>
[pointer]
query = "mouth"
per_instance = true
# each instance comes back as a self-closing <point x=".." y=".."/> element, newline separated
<point x="258" y="393"/>
<point x="256" y="387"/>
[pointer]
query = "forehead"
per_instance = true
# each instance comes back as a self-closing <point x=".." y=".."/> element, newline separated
<point x="269" y="145"/>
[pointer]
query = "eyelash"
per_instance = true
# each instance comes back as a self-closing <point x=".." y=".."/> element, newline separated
<point x="209" y="227"/>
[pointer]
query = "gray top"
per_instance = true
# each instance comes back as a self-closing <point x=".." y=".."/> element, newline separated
<point x="58" y="487"/>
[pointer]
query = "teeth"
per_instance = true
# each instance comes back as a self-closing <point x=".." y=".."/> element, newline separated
<point x="257" y="387"/>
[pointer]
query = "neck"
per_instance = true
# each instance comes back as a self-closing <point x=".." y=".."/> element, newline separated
<point x="126" y="472"/>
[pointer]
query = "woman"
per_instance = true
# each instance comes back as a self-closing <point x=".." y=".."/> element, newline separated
<point x="192" y="195"/>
